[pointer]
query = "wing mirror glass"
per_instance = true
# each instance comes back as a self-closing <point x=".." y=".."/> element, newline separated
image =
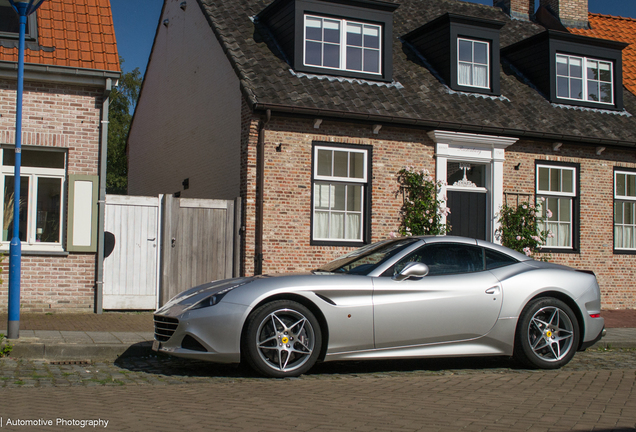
<point x="413" y="269"/>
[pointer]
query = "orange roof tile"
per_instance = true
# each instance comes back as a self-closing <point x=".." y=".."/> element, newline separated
<point x="81" y="32"/>
<point x="618" y="29"/>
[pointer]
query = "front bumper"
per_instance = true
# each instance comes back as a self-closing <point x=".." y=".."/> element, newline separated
<point x="211" y="334"/>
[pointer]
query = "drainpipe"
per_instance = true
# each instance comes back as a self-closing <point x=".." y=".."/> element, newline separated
<point x="260" y="185"/>
<point x="101" y="201"/>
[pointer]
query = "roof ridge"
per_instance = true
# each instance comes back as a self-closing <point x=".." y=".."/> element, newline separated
<point x="618" y="17"/>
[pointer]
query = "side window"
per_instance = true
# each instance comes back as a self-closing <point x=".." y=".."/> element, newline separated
<point x="444" y="259"/>
<point x="496" y="259"/>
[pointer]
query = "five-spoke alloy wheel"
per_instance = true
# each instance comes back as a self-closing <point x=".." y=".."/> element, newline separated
<point x="547" y="334"/>
<point x="282" y="339"/>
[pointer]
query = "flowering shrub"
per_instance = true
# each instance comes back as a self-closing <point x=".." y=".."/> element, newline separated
<point x="422" y="211"/>
<point x="522" y="228"/>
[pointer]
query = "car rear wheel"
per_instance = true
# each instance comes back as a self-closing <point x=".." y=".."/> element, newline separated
<point x="282" y="339"/>
<point x="547" y="334"/>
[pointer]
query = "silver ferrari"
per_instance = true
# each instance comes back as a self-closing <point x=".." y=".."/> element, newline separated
<point x="408" y="297"/>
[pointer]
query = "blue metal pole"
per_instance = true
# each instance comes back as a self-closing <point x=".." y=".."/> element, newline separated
<point x="15" y="249"/>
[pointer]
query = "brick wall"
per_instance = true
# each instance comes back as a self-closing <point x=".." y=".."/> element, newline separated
<point x="60" y="116"/>
<point x="287" y="195"/>
<point x="516" y="8"/>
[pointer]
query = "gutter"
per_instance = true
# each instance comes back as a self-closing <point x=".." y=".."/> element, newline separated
<point x="59" y="74"/>
<point x="260" y="201"/>
<point x="101" y="200"/>
<point x="429" y="124"/>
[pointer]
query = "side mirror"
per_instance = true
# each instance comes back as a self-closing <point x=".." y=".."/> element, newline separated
<point x="412" y="269"/>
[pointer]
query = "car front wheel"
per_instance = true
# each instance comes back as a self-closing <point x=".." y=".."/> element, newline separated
<point x="282" y="339"/>
<point x="547" y="335"/>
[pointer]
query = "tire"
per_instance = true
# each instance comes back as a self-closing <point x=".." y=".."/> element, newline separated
<point x="282" y="339"/>
<point x="547" y="334"/>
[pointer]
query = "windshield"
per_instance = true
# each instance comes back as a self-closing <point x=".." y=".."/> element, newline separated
<point x="364" y="260"/>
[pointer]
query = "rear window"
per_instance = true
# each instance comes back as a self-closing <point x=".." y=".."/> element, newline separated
<point x="496" y="259"/>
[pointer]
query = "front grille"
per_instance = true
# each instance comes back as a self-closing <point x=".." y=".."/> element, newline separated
<point x="165" y="327"/>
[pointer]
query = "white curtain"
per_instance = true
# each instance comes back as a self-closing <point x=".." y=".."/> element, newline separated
<point x="481" y="76"/>
<point x="465" y="72"/>
<point x="321" y="225"/>
<point x="353" y="226"/>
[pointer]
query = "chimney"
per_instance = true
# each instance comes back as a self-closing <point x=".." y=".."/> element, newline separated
<point x="571" y="13"/>
<point x="519" y="9"/>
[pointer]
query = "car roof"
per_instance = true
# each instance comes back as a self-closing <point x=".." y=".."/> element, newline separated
<point x="471" y="241"/>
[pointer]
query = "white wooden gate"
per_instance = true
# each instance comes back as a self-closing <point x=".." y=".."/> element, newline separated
<point x="131" y="270"/>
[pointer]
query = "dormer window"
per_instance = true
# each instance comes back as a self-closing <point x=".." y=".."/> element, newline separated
<point x="583" y="78"/>
<point x="463" y="50"/>
<point x="571" y="69"/>
<point x="334" y="37"/>
<point x="342" y="44"/>
<point x="10" y="22"/>
<point x="473" y="68"/>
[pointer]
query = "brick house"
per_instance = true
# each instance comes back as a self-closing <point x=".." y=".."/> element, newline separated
<point x="307" y="109"/>
<point x="71" y="64"/>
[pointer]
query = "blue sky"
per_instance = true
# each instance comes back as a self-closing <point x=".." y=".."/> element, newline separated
<point x="136" y="22"/>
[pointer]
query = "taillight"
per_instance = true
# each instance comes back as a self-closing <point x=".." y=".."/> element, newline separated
<point x="597" y="315"/>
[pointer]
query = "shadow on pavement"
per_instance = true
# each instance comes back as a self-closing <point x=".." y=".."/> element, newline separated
<point x="162" y="364"/>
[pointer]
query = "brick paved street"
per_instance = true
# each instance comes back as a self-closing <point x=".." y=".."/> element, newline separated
<point x="596" y="391"/>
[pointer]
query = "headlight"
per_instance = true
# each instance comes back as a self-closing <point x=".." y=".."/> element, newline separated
<point x="213" y="299"/>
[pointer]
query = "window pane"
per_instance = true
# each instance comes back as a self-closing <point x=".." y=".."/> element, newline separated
<point x="568" y="181"/>
<point x="576" y="67"/>
<point x="371" y="61"/>
<point x="620" y="184"/>
<point x="481" y="53"/>
<point x="628" y="213"/>
<point x="336" y="230"/>
<point x="465" y="51"/>
<point x="618" y="212"/>
<point x="339" y="197"/>
<point x="48" y="210"/>
<point x="332" y="31"/>
<point x="356" y="165"/>
<point x="592" y="91"/>
<point x="372" y="37"/>
<point x="562" y="65"/>
<point x="565" y="210"/>
<point x="332" y="56"/>
<point x="555" y="180"/>
<point x="321" y="197"/>
<point x="354" y="35"/>
<point x="465" y="74"/>
<point x="563" y="87"/>
<point x="576" y="89"/>
<point x="606" y="93"/>
<point x="354" y="58"/>
<point x="354" y="198"/>
<point x="7" y="227"/>
<point x="481" y="76"/>
<point x="495" y="260"/>
<point x="313" y="53"/>
<point x="605" y="72"/>
<point x="324" y="162"/>
<point x="631" y="185"/>
<point x="341" y="164"/>
<point x="553" y="206"/>
<point x="35" y="158"/>
<point x="313" y="29"/>
<point x="321" y="225"/>
<point x="592" y="70"/>
<point x="9" y="21"/>
<point x="544" y="179"/>
<point x="353" y="227"/>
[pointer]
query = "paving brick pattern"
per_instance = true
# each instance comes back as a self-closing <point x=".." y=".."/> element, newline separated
<point x="596" y="391"/>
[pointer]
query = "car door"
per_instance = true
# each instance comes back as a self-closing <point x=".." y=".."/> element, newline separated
<point x="457" y="300"/>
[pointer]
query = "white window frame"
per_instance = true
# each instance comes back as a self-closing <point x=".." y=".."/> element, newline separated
<point x="624" y="199"/>
<point x="334" y="180"/>
<point x="472" y="63"/>
<point x="584" y="78"/>
<point x="34" y="173"/>
<point x="559" y="195"/>
<point x="343" y="44"/>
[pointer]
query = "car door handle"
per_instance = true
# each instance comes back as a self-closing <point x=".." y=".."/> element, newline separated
<point x="493" y="290"/>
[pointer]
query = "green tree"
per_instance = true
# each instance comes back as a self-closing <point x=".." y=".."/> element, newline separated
<point x="123" y="100"/>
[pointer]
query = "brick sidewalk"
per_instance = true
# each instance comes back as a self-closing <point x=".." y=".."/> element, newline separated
<point x="89" y="322"/>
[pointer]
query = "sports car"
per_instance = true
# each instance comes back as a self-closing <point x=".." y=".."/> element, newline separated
<point x="430" y="296"/>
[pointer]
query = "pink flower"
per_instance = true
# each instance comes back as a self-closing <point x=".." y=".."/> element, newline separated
<point x="430" y="221"/>
<point x="392" y="235"/>
<point x="527" y="251"/>
<point x="518" y="237"/>
<point x="549" y="213"/>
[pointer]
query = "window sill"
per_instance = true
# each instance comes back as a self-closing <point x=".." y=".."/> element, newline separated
<point x="31" y="252"/>
<point x="340" y="243"/>
<point x="624" y="251"/>
<point x="559" y="250"/>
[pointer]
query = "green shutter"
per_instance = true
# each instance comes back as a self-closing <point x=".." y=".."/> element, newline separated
<point x="82" y="213"/>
